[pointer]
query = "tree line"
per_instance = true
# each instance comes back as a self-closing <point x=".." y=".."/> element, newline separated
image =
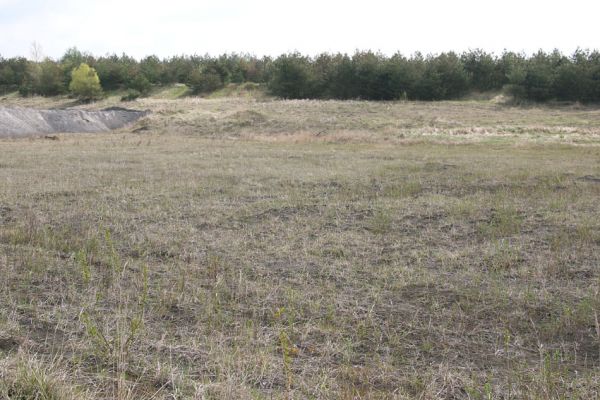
<point x="366" y="75"/>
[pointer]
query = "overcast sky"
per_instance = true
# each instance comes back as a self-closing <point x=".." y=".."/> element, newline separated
<point x="272" y="27"/>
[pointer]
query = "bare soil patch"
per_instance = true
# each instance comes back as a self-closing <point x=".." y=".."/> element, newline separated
<point x="18" y="122"/>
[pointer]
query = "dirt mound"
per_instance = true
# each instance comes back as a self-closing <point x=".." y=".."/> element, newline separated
<point x="16" y="122"/>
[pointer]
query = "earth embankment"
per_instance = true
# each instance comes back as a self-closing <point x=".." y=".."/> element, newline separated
<point x="17" y="121"/>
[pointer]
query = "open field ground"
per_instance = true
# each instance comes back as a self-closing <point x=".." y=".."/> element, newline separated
<point x="235" y="248"/>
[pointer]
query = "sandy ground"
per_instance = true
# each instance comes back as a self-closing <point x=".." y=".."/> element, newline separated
<point x="17" y="121"/>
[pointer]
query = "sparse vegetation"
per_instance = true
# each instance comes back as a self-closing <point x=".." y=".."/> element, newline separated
<point x="258" y="249"/>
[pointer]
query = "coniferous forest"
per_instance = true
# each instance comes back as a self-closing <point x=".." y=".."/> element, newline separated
<point x="365" y="75"/>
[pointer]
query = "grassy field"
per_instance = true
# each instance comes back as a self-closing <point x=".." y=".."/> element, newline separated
<point x="235" y="248"/>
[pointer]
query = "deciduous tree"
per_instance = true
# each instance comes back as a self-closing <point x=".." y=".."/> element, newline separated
<point x="85" y="83"/>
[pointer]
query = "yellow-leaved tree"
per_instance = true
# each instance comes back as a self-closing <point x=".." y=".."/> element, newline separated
<point x="85" y="83"/>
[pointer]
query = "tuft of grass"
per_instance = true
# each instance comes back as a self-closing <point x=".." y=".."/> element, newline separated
<point x="503" y="257"/>
<point x="381" y="222"/>
<point x="26" y="378"/>
<point x="502" y="222"/>
<point x="404" y="189"/>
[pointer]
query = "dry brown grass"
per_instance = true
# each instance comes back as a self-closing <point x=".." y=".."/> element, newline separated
<point x="239" y="249"/>
<point x="267" y="119"/>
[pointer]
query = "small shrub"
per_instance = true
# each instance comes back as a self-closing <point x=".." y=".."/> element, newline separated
<point x="204" y="81"/>
<point x="131" y="95"/>
<point x="141" y="85"/>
